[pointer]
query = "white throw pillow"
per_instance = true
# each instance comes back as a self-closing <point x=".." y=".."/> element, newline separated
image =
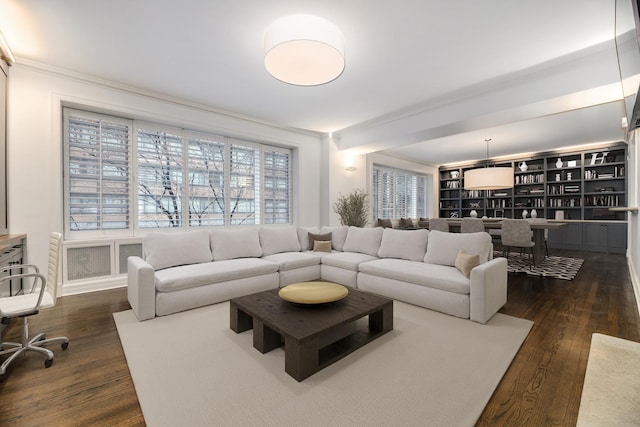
<point x="443" y="247"/>
<point x="303" y="236"/>
<point x="404" y="244"/>
<point x="338" y="235"/>
<point x="230" y="244"/>
<point x="163" y="250"/>
<point x="363" y="240"/>
<point x="275" y="240"/>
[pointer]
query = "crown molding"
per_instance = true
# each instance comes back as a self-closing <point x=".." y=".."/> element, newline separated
<point x="97" y="81"/>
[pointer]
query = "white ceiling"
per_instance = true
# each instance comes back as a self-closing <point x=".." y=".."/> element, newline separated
<point x="427" y="80"/>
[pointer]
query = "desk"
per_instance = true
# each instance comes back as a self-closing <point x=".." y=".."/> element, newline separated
<point x="12" y="249"/>
<point x="538" y="226"/>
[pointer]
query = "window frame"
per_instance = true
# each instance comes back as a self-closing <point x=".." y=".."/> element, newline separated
<point x="185" y="135"/>
<point x="397" y="213"/>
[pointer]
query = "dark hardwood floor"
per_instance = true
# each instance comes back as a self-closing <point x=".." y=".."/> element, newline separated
<point x="89" y="384"/>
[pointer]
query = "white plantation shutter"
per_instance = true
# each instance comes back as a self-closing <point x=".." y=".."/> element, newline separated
<point x="244" y="183"/>
<point x="97" y="155"/>
<point x="398" y="193"/>
<point x="170" y="177"/>
<point x="206" y="183"/>
<point x="160" y="176"/>
<point x="276" y="168"/>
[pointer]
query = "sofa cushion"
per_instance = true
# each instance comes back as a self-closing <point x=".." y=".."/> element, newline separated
<point x="322" y="246"/>
<point x="164" y="250"/>
<point x="403" y="244"/>
<point x="363" y="240"/>
<point x="189" y="276"/>
<point x="346" y="260"/>
<point x="406" y="223"/>
<point x="303" y="236"/>
<point x="466" y="262"/>
<point x="275" y="240"/>
<point x="231" y="244"/>
<point x="338" y="235"/>
<point x="443" y="247"/>
<point x="430" y="275"/>
<point x="292" y="260"/>
<point x="385" y="223"/>
<point x="313" y="238"/>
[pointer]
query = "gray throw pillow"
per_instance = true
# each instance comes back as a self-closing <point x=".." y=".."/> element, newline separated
<point x="319" y="237"/>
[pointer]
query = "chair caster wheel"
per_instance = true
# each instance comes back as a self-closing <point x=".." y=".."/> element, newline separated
<point x="65" y="345"/>
<point x="48" y="363"/>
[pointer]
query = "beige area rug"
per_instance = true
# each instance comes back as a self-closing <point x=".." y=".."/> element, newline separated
<point x="611" y="392"/>
<point x="190" y="369"/>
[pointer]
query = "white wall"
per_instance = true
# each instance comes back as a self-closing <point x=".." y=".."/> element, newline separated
<point x="633" y="188"/>
<point x="339" y="181"/>
<point x="36" y="94"/>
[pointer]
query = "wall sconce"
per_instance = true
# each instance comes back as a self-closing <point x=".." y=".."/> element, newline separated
<point x="350" y="161"/>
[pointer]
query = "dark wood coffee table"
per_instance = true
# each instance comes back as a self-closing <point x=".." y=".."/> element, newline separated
<point x="314" y="336"/>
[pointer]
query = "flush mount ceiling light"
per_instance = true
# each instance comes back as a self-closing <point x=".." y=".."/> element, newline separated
<point x="304" y="50"/>
<point x="488" y="178"/>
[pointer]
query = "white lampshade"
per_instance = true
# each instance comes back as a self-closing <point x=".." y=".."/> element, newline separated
<point x="488" y="178"/>
<point x="304" y="50"/>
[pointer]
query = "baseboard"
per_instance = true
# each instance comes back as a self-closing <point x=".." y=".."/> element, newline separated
<point x="82" y="287"/>
<point x="634" y="281"/>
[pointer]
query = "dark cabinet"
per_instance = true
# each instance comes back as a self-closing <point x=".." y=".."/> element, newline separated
<point x="605" y="237"/>
<point x="592" y="236"/>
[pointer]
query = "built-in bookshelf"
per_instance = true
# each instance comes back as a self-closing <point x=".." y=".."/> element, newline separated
<point x="566" y="185"/>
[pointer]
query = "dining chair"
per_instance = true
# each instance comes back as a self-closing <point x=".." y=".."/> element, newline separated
<point x="471" y="225"/>
<point x="440" y="224"/>
<point x="517" y="233"/>
<point x="41" y="293"/>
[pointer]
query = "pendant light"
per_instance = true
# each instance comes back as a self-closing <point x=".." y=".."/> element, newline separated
<point x="488" y="178"/>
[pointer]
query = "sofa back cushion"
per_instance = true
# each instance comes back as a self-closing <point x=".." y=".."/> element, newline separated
<point x="338" y="235"/>
<point x="303" y="236"/>
<point x="443" y="247"/>
<point x="278" y="239"/>
<point x="163" y="250"/>
<point x="363" y="240"/>
<point x="231" y="244"/>
<point x="403" y="244"/>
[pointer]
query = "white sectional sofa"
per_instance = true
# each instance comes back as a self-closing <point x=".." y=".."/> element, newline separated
<point x="184" y="270"/>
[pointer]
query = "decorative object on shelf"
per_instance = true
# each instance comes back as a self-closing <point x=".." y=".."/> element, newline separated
<point x="560" y="215"/>
<point x="487" y="178"/>
<point x="534" y="213"/>
<point x="353" y="208"/>
<point x="572" y="163"/>
<point x="524" y="214"/>
<point x="454" y="174"/>
<point x="473" y="214"/>
<point x="453" y="214"/>
<point x="523" y="166"/>
<point x="594" y="158"/>
<point x="559" y="163"/>
<point x="304" y="50"/>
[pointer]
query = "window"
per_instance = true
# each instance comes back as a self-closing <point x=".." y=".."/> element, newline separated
<point x="97" y="152"/>
<point x="124" y="175"/>
<point x="277" y="200"/>
<point x="159" y="175"/>
<point x="398" y="193"/>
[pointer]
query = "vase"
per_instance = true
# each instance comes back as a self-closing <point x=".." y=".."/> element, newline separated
<point x="473" y="214"/>
<point x="534" y="213"/>
<point x="523" y="166"/>
<point x="559" y="163"/>
<point x="524" y="214"/>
